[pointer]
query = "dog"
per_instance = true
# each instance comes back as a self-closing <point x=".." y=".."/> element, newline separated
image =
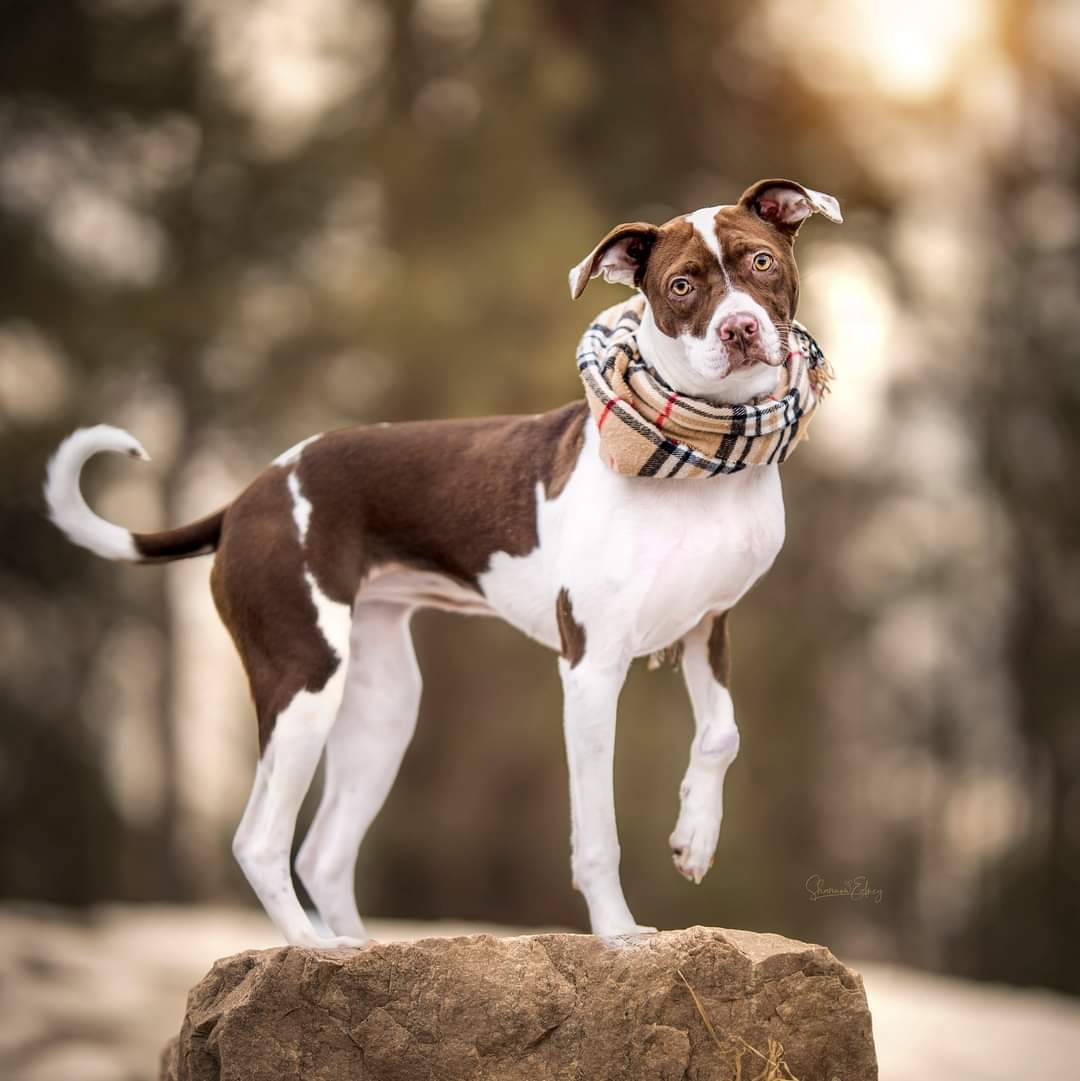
<point x="321" y="561"/>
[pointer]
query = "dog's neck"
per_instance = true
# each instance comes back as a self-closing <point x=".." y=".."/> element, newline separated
<point x="665" y="356"/>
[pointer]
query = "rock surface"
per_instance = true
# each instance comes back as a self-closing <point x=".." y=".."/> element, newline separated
<point x="537" y="1007"/>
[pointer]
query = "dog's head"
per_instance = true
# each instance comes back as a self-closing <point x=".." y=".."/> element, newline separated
<point x="721" y="287"/>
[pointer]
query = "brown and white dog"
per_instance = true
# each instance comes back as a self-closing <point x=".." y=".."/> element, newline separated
<point x="322" y="560"/>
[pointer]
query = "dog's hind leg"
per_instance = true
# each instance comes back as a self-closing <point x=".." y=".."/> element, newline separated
<point x="293" y="639"/>
<point x="706" y="664"/>
<point x="363" y="752"/>
<point x="263" y="841"/>
<point x="296" y="664"/>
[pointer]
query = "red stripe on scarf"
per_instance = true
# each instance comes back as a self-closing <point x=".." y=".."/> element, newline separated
<point x="667" y="410"/>
<point x="604" y="413"/>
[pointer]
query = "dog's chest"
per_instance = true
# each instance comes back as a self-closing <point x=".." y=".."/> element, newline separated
<point x="643" y="560"/>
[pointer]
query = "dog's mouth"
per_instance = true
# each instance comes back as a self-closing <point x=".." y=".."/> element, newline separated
<point x="744" y="384"/>
<point x="741" y="356"/>
<point x="740" y="359"/>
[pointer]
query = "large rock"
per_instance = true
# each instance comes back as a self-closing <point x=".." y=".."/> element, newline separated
<point x="532" y="1008"/>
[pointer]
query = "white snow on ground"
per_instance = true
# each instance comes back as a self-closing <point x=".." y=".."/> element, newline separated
<point x="95" y="998"/>
<point x="934" y="1028"/>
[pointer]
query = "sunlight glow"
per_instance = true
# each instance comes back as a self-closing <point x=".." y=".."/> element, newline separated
<point x="910" y="51"/>
<point x="848" y="306"/>
<point x="916" y="44"/>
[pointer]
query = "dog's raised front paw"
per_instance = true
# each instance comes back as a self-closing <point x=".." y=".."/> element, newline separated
<point x="692" y="850"/>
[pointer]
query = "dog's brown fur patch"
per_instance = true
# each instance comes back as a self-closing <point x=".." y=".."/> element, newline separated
<point x="195" y="539"/>
<point x="571" y="633"/>
<point x="263" y="599"/>
<point x="719" y="649"/>
<point x="442" y="496"/>
<point x="567" y="452"/>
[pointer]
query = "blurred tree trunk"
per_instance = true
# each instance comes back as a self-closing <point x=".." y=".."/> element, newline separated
<point x="1028" y="921"/>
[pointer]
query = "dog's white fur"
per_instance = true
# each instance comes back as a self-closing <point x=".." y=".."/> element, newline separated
<point x="645" y="565"/>
<point x="646" y="562"/>
<point x="68" y="509"/>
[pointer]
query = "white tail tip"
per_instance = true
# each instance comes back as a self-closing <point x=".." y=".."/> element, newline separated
<point x="69" y="510"/>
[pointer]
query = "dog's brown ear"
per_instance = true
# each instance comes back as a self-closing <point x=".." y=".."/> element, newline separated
<point x="787" y="205"/>
<point x="621" y="257"/>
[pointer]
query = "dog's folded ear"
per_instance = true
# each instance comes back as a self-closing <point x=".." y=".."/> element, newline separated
<point x="621" y="257"/>
<point x="787" y="205"/>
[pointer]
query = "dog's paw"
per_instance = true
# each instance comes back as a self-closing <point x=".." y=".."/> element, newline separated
<point x="625" y="936"/>
<point x="692" y="849"/>
<point x="342" y="942"/>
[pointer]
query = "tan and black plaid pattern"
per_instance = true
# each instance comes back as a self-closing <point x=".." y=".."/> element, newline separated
<point x="649" y="430"/>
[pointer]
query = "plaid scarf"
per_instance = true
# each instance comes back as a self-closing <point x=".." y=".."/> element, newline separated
<point x="649" y="430"/>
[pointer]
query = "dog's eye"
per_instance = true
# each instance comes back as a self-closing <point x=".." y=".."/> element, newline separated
<point x="762" y="261"/>
<point x="680" y="286"/>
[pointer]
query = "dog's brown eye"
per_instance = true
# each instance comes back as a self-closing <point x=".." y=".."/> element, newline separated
<point x="681" y="286"/>
<point x="762" y="261"/>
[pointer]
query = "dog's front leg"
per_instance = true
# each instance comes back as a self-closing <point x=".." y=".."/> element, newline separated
<point x="706" y="663"/>
<point x="591" y="694"/>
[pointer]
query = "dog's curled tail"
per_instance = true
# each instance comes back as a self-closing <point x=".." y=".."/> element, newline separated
<point x="70" y="512"/>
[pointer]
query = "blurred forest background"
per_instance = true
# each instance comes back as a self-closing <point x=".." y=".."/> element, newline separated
<point x="228" y="224"/>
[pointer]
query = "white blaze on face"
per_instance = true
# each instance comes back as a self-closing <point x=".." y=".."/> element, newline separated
<point x="704" y="223"/>
<point x="735" y="300"/>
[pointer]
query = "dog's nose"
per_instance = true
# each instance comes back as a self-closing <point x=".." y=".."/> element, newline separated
<point x="739" y="326"/>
